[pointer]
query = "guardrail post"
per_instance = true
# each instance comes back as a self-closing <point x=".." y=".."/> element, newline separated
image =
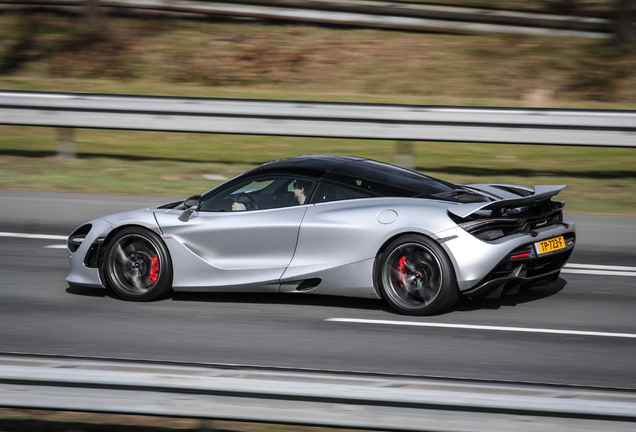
<point x="66" y="148"/>
<point x="405" y="154"/>
<point x="207" y="426"/>
<point x="538" y="98"/>
<point x="625" y="30"/>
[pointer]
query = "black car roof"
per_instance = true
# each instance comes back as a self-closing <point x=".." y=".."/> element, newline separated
<point x="371" y="177"/>
<point x="309" y="165"/>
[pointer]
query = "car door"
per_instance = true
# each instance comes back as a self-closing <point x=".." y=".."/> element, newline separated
<point x="251" y="246"/>
<point x="335" y="231"/>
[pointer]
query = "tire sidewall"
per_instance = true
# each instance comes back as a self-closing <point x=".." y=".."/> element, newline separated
<point x="448" y="293"/>
<point x="162" y="286"/>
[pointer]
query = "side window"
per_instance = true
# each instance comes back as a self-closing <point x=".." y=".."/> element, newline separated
<point x="258" y="194"/>
<point x="330" y="192"/>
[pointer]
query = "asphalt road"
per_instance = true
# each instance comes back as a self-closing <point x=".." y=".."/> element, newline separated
<point x="39" y="313"/>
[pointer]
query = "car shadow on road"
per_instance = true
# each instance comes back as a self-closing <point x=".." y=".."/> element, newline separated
<point x="89" y="292"/>
<point x="529" y="295"/>
<point x="463" y="305"/>
<point x="251" y="298"/>
<point x="282" y="299"/>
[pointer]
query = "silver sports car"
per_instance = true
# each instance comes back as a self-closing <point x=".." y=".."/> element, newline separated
<point x="332" y="225"/>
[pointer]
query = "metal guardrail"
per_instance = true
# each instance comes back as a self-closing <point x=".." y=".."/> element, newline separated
<point x="320" y="119"/>
<point x="369" y="13"/>
<point x="330" y="399"/>
<point x="448" y="12"/>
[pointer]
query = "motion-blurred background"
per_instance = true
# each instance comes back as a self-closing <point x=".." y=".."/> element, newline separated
<point x="92" y="48"/>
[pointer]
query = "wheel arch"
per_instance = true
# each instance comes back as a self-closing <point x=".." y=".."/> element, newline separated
<point x="112" y="233"/>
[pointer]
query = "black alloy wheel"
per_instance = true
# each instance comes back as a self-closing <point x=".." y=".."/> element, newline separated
<point x="416" y="277"/>
<point x="137" y="265"/>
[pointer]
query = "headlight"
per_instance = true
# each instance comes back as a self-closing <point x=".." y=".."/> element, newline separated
<point x="76" y="239"/>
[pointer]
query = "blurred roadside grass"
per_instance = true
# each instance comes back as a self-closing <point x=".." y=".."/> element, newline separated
<point x="21" y="420"/>
<point x="255" y="59"/>
<point x="599" y="180"/>
<point x="251" y="58"/>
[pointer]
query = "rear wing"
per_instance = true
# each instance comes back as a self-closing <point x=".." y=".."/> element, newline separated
<point x="540" y="193"/>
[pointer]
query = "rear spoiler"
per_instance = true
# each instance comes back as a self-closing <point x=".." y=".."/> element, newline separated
<point x="540" y="193"/>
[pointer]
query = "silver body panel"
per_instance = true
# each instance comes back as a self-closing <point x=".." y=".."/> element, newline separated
<point x="274" y="250"/>
<point x="231" y="248"/>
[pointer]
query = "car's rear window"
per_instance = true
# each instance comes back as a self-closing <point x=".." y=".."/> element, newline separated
<point x="388" y="180"/>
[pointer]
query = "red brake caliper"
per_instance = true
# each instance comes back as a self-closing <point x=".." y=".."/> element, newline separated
<point x="402" y="271"/>
<point x="154" y="269"/>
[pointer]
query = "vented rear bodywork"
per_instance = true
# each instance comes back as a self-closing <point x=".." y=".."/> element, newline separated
<point x="521" y="217"/>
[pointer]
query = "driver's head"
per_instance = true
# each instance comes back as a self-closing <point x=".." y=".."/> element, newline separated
<point x="301" y="187"/>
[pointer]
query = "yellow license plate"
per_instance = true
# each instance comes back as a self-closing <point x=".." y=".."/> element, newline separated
<point x="550" y="245"/>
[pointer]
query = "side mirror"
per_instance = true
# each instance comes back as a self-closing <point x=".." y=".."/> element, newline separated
<point x="191" y="204"/>
<point x="193" y="201"/>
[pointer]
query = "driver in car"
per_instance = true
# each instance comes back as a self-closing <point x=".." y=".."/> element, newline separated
<point x="228" y="204"/>
<point x="301" y="187"/>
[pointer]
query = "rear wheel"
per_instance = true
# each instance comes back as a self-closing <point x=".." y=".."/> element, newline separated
<point x="416" y="277"/>
<point x="137" y="265"/>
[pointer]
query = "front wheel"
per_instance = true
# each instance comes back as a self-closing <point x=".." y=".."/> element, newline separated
<point x="137" y="265"/>
<point x="416" y="277"/>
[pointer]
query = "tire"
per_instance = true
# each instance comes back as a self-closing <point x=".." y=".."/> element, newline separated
<point x="137" y="265"/>
<point x="416" y="277"/>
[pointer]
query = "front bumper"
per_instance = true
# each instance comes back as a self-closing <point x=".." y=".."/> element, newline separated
<point x="80" y="274"/>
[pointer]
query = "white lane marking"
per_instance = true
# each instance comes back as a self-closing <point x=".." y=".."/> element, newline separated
<point x="33" y="236"/>
<point x="600" y="267"/>
<point x="481" y="327"/>
<point x="55" y="247"/>
<point x="599" y="270"/>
